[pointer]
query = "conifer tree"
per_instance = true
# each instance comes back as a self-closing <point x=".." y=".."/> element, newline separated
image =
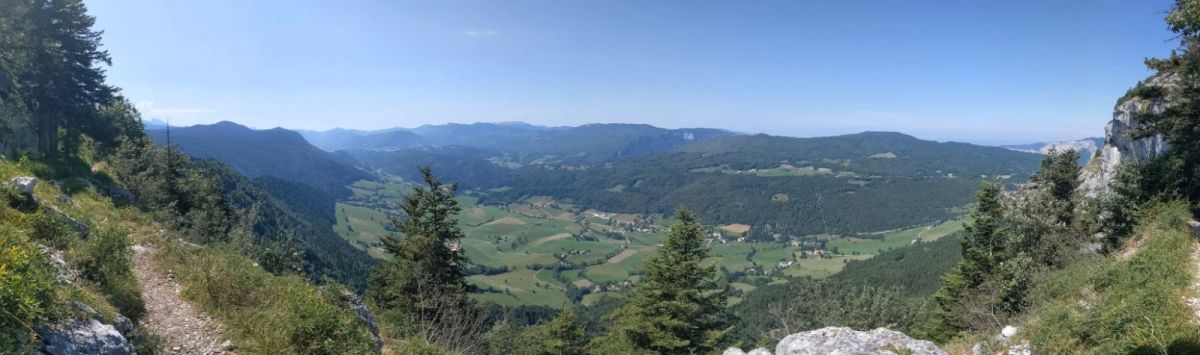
<point x="1120" y="204"/>
<point x="562" y="335"/>
<point x="424" y="280"/>
<point x="677" y="307"/>
<point x="982" y="241"/>
<point x="55" y="58"/>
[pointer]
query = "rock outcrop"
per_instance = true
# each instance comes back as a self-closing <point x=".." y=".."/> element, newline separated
<point x="1121" y="143"/>
<point x="839" y="340"/>
<point x="85" y="335"/>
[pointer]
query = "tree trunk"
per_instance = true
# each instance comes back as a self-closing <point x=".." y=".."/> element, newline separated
<point x="48" y="139"/>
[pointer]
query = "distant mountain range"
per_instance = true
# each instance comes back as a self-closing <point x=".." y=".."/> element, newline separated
<point x="586" y="144"/>
<point x="1086" y="147"/>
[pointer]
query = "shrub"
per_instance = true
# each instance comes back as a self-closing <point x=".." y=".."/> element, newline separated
<point x="105" y="259"/>
<point x="26" y="284"/>
<point x="51" y="229"/>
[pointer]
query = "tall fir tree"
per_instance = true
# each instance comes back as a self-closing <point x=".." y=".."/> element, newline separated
<point x="425" y="276"/>
<point x="62" y="83"/>
<point x="982" y="241"/>
<point x="984" y="249"/>
<point x="678" y="307"/>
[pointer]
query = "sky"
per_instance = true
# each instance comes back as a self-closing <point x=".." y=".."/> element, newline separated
<point x="978" y="71"/>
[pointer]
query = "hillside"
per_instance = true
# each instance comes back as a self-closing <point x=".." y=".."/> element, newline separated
<point x="274" y="152"/>
<point x="90" y="274"/>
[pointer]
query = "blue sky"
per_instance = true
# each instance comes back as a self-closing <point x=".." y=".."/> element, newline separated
<point x="978" y="71"/>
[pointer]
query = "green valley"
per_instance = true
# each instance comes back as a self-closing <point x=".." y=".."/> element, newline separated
<point x="540" y="251"/>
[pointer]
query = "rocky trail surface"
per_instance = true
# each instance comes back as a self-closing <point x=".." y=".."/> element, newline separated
<point x="182" y="328"/>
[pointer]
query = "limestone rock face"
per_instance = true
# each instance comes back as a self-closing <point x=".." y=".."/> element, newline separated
<point x="1120" y="142"/>
<point x="846" y="341"/>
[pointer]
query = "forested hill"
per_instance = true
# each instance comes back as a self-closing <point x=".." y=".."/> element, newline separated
<point x="871" y="153"/>
<point x="274" y="152"/>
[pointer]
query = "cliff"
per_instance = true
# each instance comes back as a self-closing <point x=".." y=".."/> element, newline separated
<point x="1121" y="140"/>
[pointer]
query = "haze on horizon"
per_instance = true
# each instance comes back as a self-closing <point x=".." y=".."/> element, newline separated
<point x="1002" y="72"/>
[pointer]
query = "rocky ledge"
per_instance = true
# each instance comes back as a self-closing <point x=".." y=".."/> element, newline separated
<point x="839" y="340"/>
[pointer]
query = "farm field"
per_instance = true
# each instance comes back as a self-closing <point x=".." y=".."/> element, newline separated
<point x="522" y="244"/>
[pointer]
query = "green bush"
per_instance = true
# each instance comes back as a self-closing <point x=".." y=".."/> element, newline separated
<point x="26" y="286"/>
<point x="106" y="260"/>
<point x="51" y="229"/>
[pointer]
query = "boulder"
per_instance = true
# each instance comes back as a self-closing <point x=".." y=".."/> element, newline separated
<point x="24" y="185"/>
<point x="1008" y="332"/>
<point x="845" y="341"/>
<point x="840" y="340"/>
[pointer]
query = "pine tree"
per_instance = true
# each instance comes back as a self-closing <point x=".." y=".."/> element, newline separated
<point x="984" y="250"/>
<point x="423" y="288"/>
<point x="1045" y="223"/>
<point x="62" y="82"/>
<point x="982" y="241"/>
<point x="677" y="307"/>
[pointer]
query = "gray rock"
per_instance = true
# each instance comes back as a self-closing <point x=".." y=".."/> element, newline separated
<point x="1008" y="332"/>
<point x="733" y="351"/>
<point x="1121" y="143"/>
<point x="86" y="337"/>
<point x="66" y="274"/>
<point x="759" y="351"/>
<point x="24" y="185"/>
<point x="123" y="324"/>
<point x="839" y="340"/>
